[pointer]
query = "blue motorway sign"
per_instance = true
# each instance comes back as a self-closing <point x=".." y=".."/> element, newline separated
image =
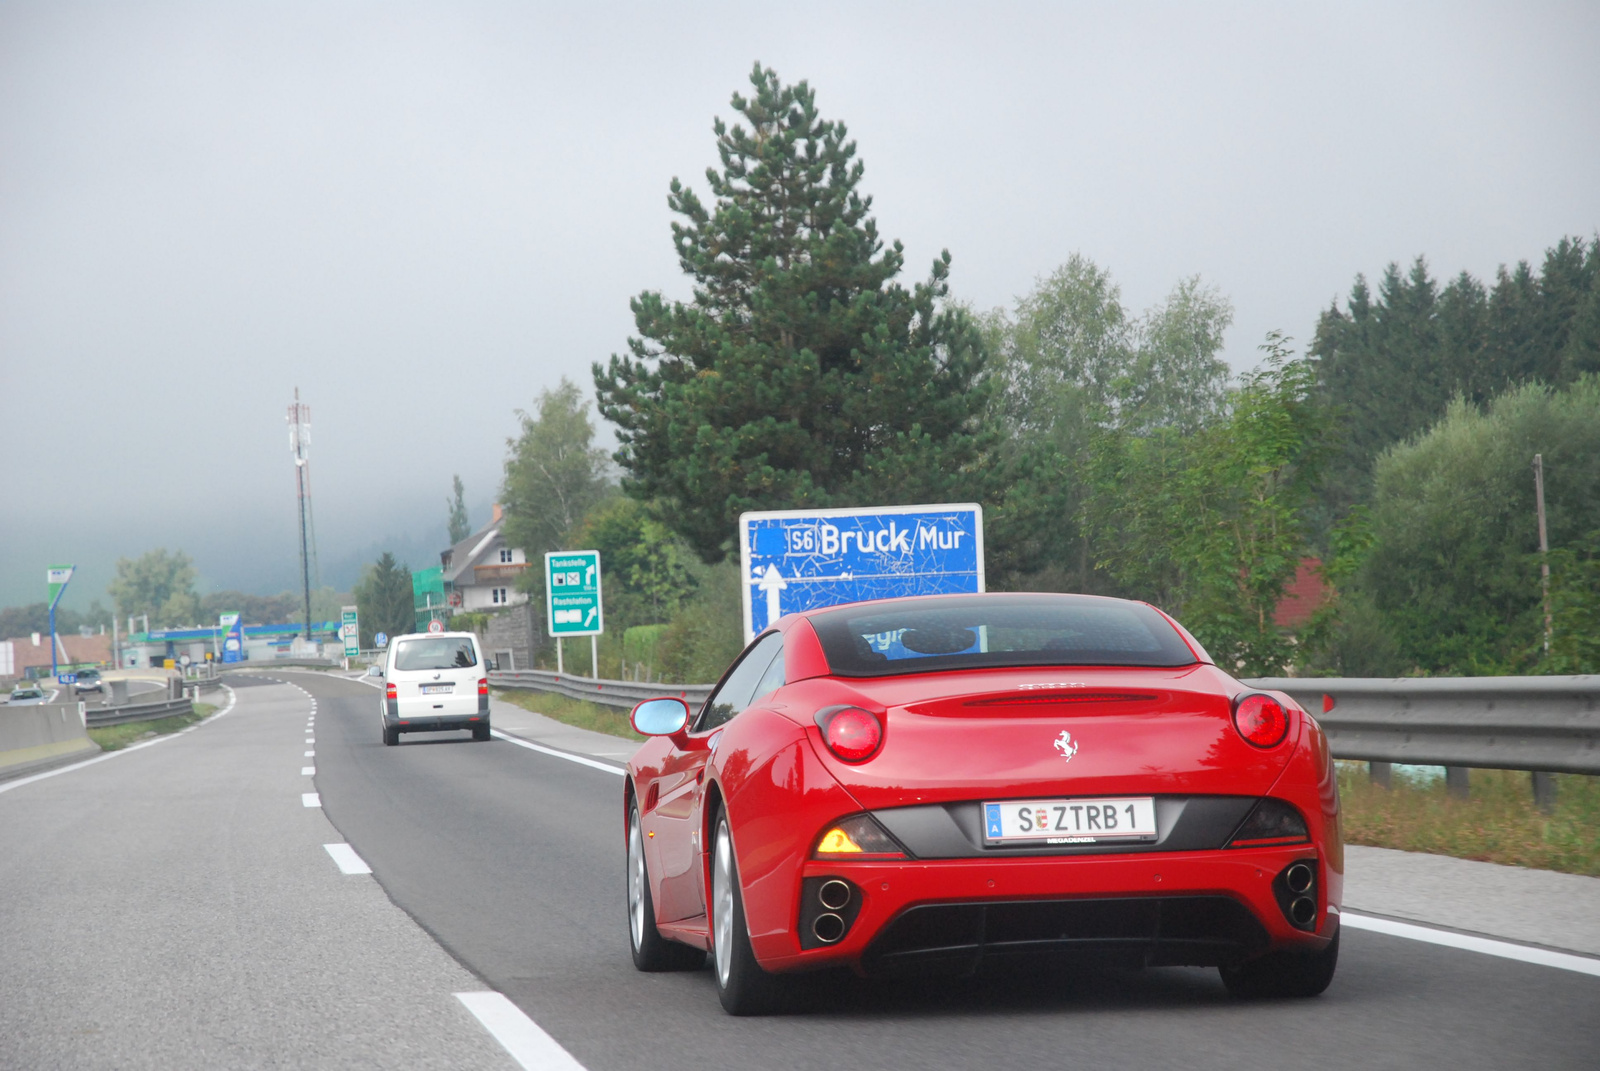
<point x="381" y="640"/>
<point x="796" y="560"/>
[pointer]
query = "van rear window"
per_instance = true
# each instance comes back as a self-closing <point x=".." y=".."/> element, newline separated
<point x="442" y="652"/>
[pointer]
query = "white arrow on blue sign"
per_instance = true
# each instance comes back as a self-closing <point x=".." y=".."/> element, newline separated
<point x="795" y="560"/>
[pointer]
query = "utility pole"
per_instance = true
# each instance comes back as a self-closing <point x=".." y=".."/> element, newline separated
<point x="299" y="445"/>
<point x="1544" y="545"/>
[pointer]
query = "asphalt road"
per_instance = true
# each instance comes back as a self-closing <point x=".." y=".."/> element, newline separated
<point x="512" y="860"/>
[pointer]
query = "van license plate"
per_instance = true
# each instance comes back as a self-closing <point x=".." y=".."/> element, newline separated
<point x="435" y="689"/>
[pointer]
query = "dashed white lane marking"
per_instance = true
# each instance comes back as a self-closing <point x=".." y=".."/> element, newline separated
<point x="582" y="760"/>
<point x="58" y="771"/>
<point x="310" y="799"/>
<point x="523" y="1038"/>
<point x="1488" y="946"/>
<point x="308" y="771"/>
<point x="311" y="754"/>
<point x="311" y="740"/>
<point x="349" y="862"/>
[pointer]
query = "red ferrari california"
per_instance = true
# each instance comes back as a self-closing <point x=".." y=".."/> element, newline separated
<point x="955" y="783"/>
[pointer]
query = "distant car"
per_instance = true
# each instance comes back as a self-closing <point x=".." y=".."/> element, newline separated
<point x="434" y="681"/>
<point x="26" y="695"/>
<point x="925" y="785"/>
<point x="88" y="681"/>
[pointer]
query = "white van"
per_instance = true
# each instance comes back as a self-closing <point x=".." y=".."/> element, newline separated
<point x="435" y="681"/>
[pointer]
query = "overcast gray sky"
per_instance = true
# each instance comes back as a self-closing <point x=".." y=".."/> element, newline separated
<point x="421" y="214"/>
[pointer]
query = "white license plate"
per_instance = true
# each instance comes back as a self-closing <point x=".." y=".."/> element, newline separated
<point x="1070" y="821"/>
<point x="435" y="689"/>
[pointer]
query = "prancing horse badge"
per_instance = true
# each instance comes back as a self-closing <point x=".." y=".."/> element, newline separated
<point x="1065" y="745"/>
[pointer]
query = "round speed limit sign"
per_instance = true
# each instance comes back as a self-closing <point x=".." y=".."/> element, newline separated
<point x="436" y="625"/>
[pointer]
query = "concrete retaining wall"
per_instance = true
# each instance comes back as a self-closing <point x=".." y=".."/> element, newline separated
<point x="36" y="738"/>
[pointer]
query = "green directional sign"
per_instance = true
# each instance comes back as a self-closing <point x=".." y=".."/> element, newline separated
<point x="572" y="590"/>
<point x="350" y="631"/>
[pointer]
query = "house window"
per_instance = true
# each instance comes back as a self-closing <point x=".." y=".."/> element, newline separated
<point x="505" y="555"/>
<point x="498" y="595"/>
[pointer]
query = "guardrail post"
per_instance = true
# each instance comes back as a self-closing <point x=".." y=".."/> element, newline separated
<point x="1457" y="781"/>
<point x="1544" y="791"/>
<point x="1382" y="773"/>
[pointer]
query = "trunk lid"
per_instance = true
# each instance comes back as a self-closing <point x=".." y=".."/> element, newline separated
<point x="1050" y="733"/>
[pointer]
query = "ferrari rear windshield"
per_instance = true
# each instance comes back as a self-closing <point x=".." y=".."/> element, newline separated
<point x="883" y="639"/>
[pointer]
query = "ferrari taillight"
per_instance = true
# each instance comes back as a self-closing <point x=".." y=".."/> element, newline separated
<point x="851" y="733"/>
<point x="390" y="693"/>
<point x="483" y="685"/>
<point x="1260" y="719"/>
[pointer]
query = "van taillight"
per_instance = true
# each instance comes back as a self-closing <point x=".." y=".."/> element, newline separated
<point x="390" y="693"/>
<point x="483" y="685"/>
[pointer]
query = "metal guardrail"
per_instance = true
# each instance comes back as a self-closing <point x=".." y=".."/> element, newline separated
<point x="98" y="717"/>
<point x="1543" y="724"/>
<point x="621" y="694"/>
<point x="1548" y="724"/>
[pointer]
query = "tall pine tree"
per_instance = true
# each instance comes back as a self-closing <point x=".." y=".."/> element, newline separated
<point x="801" y="373"/>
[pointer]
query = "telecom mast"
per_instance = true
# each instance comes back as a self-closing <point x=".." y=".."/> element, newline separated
<point x="300" y="445"/>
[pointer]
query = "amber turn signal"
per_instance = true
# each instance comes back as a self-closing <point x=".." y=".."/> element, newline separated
<point x="857" y="837"/>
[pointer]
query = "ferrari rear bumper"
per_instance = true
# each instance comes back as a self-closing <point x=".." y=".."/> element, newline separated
<point x="1204" y="908"/>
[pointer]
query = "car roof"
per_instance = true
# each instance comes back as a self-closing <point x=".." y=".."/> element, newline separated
<point x="431" y="636"/>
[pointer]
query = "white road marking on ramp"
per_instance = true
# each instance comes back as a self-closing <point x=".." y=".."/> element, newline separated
<point x="311" y="740"/>
<point x="308" y="771"/>
<point x="523" y="1038"/>
<point x="311" y="754"/>
<point x="582" y="760"/>
<point x="310" y="799"/>
<point x="1488" y="946"/>
<point x="349" y="862"/>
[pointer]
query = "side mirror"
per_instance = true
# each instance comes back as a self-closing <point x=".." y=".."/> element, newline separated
<point x="660" y="717"/>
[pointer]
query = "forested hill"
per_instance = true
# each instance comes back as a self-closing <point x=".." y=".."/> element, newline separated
<point x="1391" y="362"/>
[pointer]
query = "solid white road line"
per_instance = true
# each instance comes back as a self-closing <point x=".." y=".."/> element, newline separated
<point x="523" y="1038"/>
<point x="58" y="771"/>
<point x="310" y="799"/>
<point x="308" y="771"/>
<point x="582" y="760"/>
<point x="349" y="862"/>
<point x="1488" y="946"/>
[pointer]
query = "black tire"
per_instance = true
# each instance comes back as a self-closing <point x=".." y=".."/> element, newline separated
<point x="1284" y="974"/>
<point x="651" y="951"/>
<point x="742" y="985"/>
<point x="391" y="734"/>
<point x="481" y="731"/>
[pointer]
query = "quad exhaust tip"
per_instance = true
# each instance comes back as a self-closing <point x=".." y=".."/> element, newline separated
<point x="1298" y="878"/>
<point x="828" y="928"/>
<point x="834" y="895"/>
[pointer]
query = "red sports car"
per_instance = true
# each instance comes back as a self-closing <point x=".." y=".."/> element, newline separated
<point x="944" y="783"/>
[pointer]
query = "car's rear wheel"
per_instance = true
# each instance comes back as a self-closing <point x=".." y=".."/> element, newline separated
<point x="743" y="986"/>
<point x="651" y="951"/>
<point x="1284" y="974"/>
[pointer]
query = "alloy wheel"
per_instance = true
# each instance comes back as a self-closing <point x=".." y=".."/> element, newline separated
<point x="636" y="880"/>
<point x="722" y="903"/>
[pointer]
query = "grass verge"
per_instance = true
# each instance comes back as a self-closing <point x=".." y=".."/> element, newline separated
<point x="591" y="716"/>
<point x="1498" y="824"/>
<point x="117" y="737"/>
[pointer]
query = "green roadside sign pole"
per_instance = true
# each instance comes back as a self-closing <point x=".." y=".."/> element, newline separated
<point x="56" y="577"/>
<point x="573" y="606"/>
